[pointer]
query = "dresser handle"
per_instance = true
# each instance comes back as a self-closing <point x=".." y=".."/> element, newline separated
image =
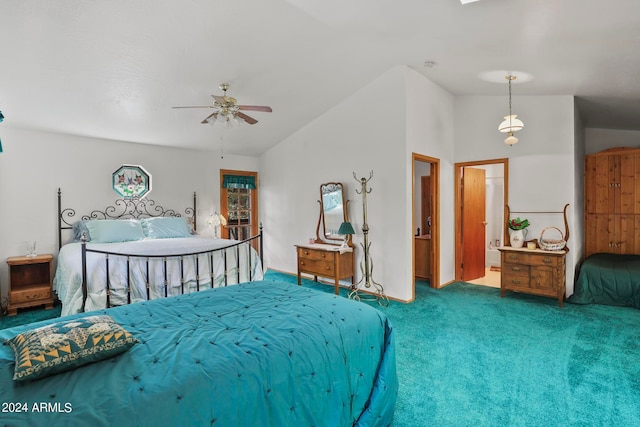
<point x="328" y="268"/>
<point x="301" y="262"/>
<point x="513" y="257"/>
<point x="306" y="252"/>
<point x="516" y="281"/>
<point x="515" y="268"/>
<point x="547" y="261"/>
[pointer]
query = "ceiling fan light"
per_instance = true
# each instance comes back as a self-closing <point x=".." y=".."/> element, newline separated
<point x="511" y="124"/>
<point x="510" y="140"/>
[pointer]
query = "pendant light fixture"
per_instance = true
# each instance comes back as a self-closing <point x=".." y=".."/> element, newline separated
<point x="511" y="123"/>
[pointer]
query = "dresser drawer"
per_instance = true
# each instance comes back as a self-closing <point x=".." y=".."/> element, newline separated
<point x="32" y="294"/>
<point x="509" y="280"/>
<point x="515" y="269"/>
<point x="311" y="254"/>
<point x="531" y="259"/>
<point x="316" y="266"/>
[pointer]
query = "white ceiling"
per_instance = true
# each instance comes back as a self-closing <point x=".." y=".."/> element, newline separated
<point x="114" y="68"/>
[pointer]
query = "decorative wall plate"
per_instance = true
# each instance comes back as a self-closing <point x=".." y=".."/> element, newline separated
<point x="131" y="181"/>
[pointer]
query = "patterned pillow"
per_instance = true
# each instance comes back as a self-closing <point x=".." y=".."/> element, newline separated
<point x="66" y="345"/>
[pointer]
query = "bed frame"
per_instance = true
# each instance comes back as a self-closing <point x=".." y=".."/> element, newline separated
<point x="136" y="208"/>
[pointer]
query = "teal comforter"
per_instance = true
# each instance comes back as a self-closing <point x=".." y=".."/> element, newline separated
<point x="609" y="279"/>
<point x="254" y="354"/>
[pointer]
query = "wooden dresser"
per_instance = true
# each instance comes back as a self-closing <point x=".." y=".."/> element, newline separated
<point x="326" y="260"/>
<point x="612" y="202"/>
<point x="533" y="271"/>
<point x="30" y="281"/>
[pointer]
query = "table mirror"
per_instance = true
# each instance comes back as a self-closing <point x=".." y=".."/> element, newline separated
<point x="333" y="212"/>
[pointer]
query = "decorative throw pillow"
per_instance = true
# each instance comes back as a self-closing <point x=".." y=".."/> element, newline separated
<point x="66" y="345"/>
<point x="80" y="229"/>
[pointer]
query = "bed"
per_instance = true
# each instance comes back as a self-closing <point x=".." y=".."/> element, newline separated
<point x="255" y="354"/>
<point x="610" y="279"/>
<point x="136" y="250"/>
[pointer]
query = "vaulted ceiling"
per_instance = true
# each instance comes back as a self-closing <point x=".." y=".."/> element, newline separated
<point x="114" y="68"/>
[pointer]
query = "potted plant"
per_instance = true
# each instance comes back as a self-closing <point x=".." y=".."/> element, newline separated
<point x="517" y="231"/>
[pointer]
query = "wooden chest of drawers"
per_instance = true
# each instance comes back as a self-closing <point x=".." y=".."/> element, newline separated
<point x="535" y="272"/>
<point x="326" y="261"/>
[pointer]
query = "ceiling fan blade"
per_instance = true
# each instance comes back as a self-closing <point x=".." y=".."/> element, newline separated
<point x="206" y="120"/>
<point x="196" y="106"/>
<point x="246" y="118"/>
<point x="255" y="108"/>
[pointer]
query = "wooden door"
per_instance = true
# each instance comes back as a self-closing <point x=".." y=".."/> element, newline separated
<point x="473" y="223"/>
<point x="628" y="186"/>
<point x="426" y="205"/>
<point x="599" y="173"/>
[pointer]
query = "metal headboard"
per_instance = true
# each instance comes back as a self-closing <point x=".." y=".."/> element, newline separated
<point x="122" y="209"/>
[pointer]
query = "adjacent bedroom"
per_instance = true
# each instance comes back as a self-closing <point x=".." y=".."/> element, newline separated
<point x="288" y="213"/>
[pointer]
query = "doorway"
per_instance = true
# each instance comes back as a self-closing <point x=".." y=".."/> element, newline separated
<point x="239" y="203"/>
<point x="425" y="172"/>
<point x="481" y="198"/>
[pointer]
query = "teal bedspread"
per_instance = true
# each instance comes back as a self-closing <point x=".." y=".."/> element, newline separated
<point x="254" y="354"/>
<point x="609" y="279"/>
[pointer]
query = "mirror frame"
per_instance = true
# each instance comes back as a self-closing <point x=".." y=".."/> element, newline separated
<point x="324" y="237"/>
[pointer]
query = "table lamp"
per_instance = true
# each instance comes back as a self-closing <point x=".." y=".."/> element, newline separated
<point x="346" y="228"/>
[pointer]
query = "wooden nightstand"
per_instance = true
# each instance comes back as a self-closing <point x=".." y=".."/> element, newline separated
<point x="30" y="282"/>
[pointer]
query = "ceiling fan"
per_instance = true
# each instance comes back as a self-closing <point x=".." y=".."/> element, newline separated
<point x="228" y="110"/>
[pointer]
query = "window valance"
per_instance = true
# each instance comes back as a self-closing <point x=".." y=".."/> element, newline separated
<point x="237" y="181"/>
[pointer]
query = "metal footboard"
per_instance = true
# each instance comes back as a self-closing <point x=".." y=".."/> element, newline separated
<point x="182" y="260"/>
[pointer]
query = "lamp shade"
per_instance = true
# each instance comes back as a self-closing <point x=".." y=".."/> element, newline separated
<point x="346" y="228"/>
<point x="216" y="219"/>
<point x="510" y="124"/>
<point x="510" y="140"/>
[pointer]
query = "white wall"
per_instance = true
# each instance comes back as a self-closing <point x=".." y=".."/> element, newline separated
<point x="602" y="139"/>
<point x="430" y="130"/>
<point x="541" y="165"/>
<point x="372" y="130"/>
<point x="359" y="135"/>
<point x="577" y="230"/>
<point x="35" y="164"/>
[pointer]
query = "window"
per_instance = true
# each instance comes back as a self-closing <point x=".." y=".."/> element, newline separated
<point x="239" y="203"/>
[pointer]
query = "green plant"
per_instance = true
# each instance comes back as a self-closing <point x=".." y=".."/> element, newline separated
<point x="518" y="224"/>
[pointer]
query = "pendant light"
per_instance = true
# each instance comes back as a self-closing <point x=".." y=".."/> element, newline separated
<point x="511" y="123"/>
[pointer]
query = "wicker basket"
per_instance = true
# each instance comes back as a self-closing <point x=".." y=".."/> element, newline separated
<point x="551" y="244"/>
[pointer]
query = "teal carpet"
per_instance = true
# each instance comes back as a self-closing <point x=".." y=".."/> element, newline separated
<point x="467" y="357"/>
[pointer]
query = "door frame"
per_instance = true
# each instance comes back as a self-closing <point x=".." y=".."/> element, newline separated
<point x="434" y="263"/>
<point x="224" y="232"/>
<point x="458" y="204"/>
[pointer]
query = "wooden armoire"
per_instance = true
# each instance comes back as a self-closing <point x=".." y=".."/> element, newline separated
<point x="612" y="201"/>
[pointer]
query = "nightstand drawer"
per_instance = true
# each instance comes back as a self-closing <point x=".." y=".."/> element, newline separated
<point x="32" y="294"/>
<point x="320" y="267"/>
